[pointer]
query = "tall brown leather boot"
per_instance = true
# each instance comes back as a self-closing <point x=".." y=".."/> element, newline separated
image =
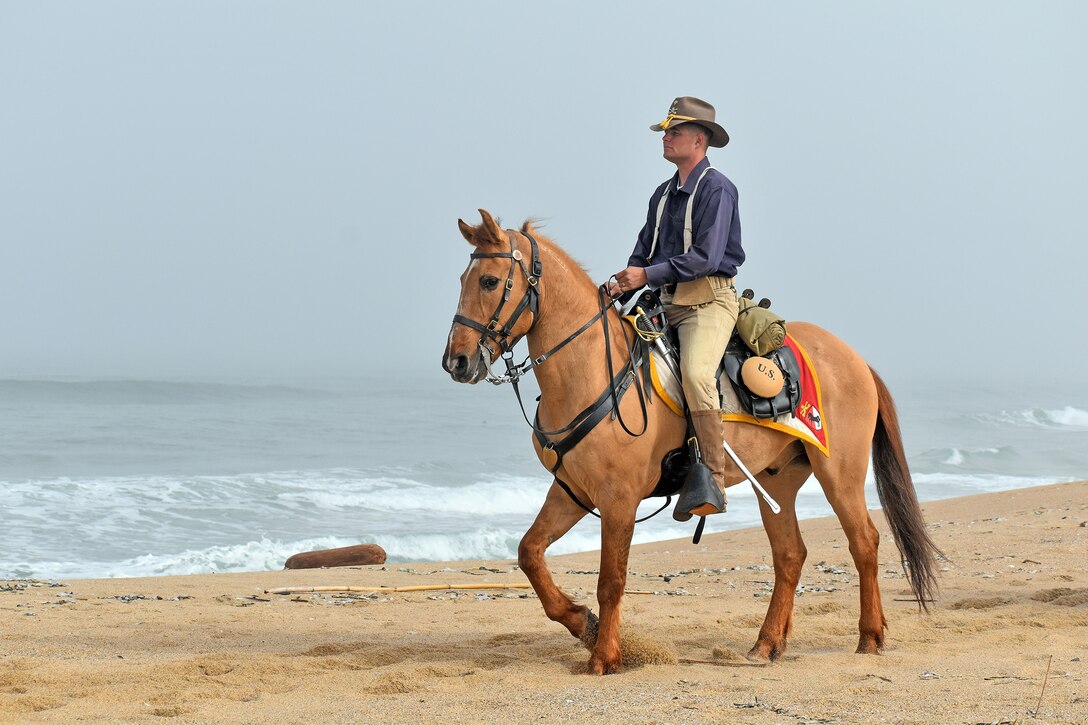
<point x="705" y="500"/>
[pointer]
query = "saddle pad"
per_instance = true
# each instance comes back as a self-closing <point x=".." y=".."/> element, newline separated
<point x="805" y="422"/>
<point x="666" y="385"/>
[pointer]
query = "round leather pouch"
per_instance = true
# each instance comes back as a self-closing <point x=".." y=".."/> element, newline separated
<point x="762" y="377"/>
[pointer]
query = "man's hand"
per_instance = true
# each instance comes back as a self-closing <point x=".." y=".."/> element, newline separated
<point x="628" y="280"/>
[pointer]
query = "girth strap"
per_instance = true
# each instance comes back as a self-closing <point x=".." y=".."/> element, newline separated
<point x="668" y="499"/>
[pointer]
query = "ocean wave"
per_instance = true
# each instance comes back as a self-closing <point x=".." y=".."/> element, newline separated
<point x="147" y="526"/>
<point x="962" y="457"/>
<point x="932" y="486"/>
<point x="260" y="555"/>
<point x="1069" y="418"/>
<point x="341" y="490"/>
<point x="146" y="392"/>
<point x="510" y="495"/>
<point x="266" y="554"/>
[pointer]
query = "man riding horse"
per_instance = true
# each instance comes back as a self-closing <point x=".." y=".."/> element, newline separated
<point x="689" y="250"/>
<point x="520" y="285"/>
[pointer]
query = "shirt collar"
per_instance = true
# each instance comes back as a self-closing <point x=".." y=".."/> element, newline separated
<point x="693" y="177"/>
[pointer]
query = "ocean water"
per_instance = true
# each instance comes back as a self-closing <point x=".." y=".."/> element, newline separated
<point x="117" y="478"/>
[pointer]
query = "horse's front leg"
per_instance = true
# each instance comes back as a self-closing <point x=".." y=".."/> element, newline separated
<point x="617" y="527"/>
<point x="558" y="514"/>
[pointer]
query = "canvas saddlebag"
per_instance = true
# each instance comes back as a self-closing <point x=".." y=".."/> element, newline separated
<point x="761" y="330"/>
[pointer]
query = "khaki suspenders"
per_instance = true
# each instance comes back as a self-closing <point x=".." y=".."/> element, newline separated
<point x="687" y="215"/>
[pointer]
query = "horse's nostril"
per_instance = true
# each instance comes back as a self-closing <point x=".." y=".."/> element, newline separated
<point x="460" y="365"/>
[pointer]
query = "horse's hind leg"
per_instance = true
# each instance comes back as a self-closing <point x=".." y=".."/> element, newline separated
<point x="558" y="514"/>
<point x="788" y="552"/>
<point x="843" y="481"/>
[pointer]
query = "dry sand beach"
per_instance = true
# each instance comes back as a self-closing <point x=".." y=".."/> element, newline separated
<point x="1009" y="635"/>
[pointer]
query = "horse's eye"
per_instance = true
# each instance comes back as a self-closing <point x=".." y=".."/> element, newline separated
<point x="488" y="283"/>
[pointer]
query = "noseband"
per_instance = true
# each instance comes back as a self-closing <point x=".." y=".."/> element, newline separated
<point x="494" y="330"/>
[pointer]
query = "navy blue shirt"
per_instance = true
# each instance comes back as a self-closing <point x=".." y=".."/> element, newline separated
<point x="715" y="236"/>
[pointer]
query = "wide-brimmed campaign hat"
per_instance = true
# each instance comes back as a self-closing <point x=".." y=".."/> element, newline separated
<point x="688" y="109"/>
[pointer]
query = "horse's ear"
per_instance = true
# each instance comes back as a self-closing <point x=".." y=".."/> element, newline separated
<point x="467" y="231"/>
<point x="489" y="233"/>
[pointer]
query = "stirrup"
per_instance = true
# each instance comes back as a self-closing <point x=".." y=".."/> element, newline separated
<point x="700" y="495"/>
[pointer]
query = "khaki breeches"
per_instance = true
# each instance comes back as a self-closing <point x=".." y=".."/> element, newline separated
<point x="704" y="331"/>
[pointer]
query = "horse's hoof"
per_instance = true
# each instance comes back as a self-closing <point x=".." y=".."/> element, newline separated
<point x="763" y="652"/>
<point x="589" y="634"/>
<point x="869" y="646"/>
<point x="602" y="667"/>
<point x="757" y="655"/>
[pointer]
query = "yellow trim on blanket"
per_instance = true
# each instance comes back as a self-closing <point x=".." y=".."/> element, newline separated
<point x="741" y="418"/>
<point x="672" y="404"/>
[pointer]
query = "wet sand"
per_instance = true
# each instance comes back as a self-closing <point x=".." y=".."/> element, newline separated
<point x="1009" y="635"/>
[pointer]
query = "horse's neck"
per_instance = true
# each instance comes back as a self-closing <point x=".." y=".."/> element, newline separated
<point x="575" y="376"/>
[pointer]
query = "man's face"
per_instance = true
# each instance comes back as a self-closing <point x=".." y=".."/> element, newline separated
<point x="682" y="143"/>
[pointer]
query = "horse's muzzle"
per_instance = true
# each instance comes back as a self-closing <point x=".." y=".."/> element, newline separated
<point x="464" y="368"/>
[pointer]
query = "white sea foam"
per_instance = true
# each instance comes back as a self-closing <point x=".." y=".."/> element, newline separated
<point x="1069" y="417"/>
<point x="259" y="555"/>
<point x="409" y="538"/>
<point x="508" y="495"/>
<point x="945" y="485"/>
<point x="964" y="456"/>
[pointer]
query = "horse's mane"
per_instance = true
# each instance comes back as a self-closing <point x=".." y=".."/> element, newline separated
<point x="572" y="266"/>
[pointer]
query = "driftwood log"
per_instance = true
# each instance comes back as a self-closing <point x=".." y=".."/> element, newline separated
<point x="358" y="555"/>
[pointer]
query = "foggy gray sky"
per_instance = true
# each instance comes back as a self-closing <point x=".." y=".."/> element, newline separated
<point x="264" y="189"/>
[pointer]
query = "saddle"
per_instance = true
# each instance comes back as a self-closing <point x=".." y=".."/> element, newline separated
<point x="736" y="353"/>
<point x="787" y="399"/>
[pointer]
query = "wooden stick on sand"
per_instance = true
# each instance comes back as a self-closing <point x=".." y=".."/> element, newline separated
<point x="421" y="588"/>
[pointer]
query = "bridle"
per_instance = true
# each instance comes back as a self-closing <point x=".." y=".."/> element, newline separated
<point x="494" y="330"/>
<point x="500" y="334"/>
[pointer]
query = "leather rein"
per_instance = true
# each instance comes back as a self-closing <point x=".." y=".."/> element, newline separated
<point x="606" y="404"/>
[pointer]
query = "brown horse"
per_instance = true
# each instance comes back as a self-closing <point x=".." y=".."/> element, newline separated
<point x="520" y="285"/>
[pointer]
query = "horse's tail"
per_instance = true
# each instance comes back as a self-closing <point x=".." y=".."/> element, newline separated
<point x="917" y="552"/>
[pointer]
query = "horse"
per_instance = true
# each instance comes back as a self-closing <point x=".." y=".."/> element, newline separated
<point x="617" y="463"/>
